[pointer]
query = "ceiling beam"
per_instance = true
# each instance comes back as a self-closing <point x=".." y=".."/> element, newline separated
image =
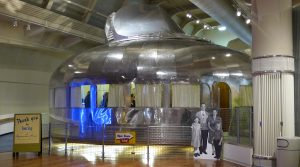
<point x="47" y="4"/>
<point x="42" y="17"/>
<point x="87" y="14"/>
<point x="70" y="41"/>
<point x="35" y="31"/>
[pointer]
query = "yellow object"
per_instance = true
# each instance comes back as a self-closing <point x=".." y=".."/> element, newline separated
<point x="27" y="133"/>
<point x="125" y="137"/>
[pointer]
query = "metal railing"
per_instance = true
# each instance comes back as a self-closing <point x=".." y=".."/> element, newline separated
<point x="150" y="140"/>
<point x="241" y="129"/>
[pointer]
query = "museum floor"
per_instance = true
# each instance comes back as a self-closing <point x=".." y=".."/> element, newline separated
<point x="31" y="160"/>
<point x="85" y="155"/>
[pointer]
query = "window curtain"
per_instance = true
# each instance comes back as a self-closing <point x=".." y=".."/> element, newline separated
<point x="76" y="100"/>
<point x="185" y="95"/>
<point x="116" y="95"/>
<point x="246" y="97"/>
<point x="148" y="95"/>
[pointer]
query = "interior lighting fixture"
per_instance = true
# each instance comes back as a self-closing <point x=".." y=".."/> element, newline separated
<point x="238" y="13"/>
<point x="70" y="65"/>
<point x="77" y="72"/>
<point x="205" y="26"/>
<point x="227" y="54"/>
<point x="197" y="21"/>
<point x="15" y="23"/>
<point x="213" y="58"/>
<point x="123" y="76"/>
<point x="222" y="28"/>
<point x="248" y="21"/>
<point x="188" y="15"/>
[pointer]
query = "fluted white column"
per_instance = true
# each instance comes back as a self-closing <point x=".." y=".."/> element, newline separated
<point x="273" y="79"/>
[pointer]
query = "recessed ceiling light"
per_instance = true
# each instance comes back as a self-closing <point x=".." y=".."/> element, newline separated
<point x="197" y="21"/>
<point x="70" y="65"/>
<point x="238" y="13"/>
<point x="15" y="23"/>
<point x="248" y="21"/>
<point x="227" y="54"/>
<point x="213" y="58"/>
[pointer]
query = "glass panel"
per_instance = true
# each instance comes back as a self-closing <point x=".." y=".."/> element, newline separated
<point x="185" y="95"/>
<point x="148" y="95"/>
<point x="60" y="98"/>
<point x="76" y="100"/>
<point x="205" y="95"/>
<point x="85" y="96"/>
<point x="102" y="92"/>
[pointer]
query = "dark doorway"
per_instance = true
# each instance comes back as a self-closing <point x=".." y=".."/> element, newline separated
<point x="222" y="101"/>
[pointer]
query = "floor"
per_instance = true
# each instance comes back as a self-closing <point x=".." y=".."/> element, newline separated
<point x="85" y="155"/>
<point x="32" y="160"/>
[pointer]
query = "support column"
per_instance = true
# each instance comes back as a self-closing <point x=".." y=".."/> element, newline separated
<point x="273" y="78"/>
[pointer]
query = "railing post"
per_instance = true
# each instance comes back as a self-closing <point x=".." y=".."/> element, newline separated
<point x="148" y="143"/>
<point x="103" y="142"/>
<point x="238" y="125"/>
<point x="250" y="125"/>
<point x="50" y="138"/>
<point x="66" y="139"/>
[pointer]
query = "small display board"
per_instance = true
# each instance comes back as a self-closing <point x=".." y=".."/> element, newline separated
<point x="125" y="137"/>
<point x="27" y="133"/>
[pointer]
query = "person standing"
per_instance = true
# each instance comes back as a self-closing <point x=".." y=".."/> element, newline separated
<point x="217" y="140"/>
<point x="203" y="115"/>
<point x="196" y="136"/>
<point x="212" y="122"/>
<point x="87" y="100"/>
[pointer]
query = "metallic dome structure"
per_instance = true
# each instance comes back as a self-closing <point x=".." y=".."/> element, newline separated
<point x="144" y="46"/>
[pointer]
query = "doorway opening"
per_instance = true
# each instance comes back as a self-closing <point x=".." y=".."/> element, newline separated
<point x="222" y="101"/>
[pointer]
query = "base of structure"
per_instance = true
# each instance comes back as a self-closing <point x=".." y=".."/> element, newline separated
<point x="262" y="161"/>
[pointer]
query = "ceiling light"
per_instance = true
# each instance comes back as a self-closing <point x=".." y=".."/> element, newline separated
<point x="213" y="58"/>
<point x="77" y="72"/>
<point x="70" y="65"/>
<point x="188" y="15"/>
<point x="205" y="26"/>
<point x="15" y="23"/>
<point x="248" y="21"/>
<point x="227" y="54"/>
<point x="123" y="76"/>
<point x="197" y="21"/>
<point x="238" y="13"/>
<point x="222" y="28"/>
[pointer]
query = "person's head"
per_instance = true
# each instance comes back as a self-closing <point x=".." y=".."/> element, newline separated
<point x="196" y="120"/>
<point x="215" y="112"/>
<point x="105" y="95"/>
<point x="203" y="107"/>
<point x="218" y="126"/>
<point x="132" y="96"/>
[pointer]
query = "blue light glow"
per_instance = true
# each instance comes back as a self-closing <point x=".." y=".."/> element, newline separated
<point x="89" y="117"/>
<point x="102" y="116"/>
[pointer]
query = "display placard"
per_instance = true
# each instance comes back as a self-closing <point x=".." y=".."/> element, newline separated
<point x="27" y="133"/>
<point x="125" y="137"/>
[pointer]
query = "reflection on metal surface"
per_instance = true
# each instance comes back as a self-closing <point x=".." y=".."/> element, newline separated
<point x="147" y="53"/>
